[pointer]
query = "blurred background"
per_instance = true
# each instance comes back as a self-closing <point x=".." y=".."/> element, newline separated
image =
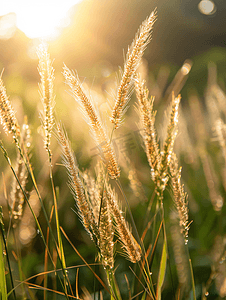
<point x="89" y="35"/>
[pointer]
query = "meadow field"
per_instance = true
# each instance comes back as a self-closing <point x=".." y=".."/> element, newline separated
<point x="113" y="189"/>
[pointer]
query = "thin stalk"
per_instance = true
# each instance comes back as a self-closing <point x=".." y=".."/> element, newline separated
<point x="6" y="252"/>
<point x="60" y="244"/>
<point x="46" y="257"/>
<point x="114" y="286"/>
<point x="29" y="169"/>
<point x="19" y="262"/>
<point x="192" y="274"/>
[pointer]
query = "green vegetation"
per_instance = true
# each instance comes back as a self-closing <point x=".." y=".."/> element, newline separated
<point x="117" y="217"/>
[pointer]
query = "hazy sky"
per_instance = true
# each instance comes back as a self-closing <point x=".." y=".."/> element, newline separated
<point x="38" y="18"/>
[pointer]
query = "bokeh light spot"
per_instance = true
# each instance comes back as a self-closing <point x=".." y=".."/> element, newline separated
<point x="207" y="7"/>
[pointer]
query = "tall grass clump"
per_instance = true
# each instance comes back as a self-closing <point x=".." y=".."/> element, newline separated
<point x="132" y="231"/>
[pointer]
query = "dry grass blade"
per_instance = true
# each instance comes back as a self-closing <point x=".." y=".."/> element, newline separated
<point x="133" y="60"/>
<point x="35" y="286"/>
<point x="94" y="122"/>
<point x="97" y="277"/>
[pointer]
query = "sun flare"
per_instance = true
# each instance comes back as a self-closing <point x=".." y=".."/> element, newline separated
<point x="39" y="19"/>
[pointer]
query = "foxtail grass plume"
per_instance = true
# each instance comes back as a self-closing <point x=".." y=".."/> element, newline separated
<point x="7" y="113"/>
<point x="94" y="122"/>
<point x="147" y="116"/>
<point x="180" y="197"/>
<point x="46" y="72"/>
<point x="94" y="193"/>
<point x="131" y="247"/>
<point x="158" y="161"/>
<point x="166" y="154"/>
<point x="171" y="134"/>
<point x="106" y="243"/>
<point x="16" y="195"/>
<point x="101" y="211"/>
<point x="133" y="59"/>
<point x="84" y="211"/>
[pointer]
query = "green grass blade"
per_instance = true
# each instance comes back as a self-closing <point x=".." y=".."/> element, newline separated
<point x="3" y="289"/>
<point x="162" y="270"/>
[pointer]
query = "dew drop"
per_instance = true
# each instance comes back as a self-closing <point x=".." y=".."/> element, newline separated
<point x="38" y="231"/>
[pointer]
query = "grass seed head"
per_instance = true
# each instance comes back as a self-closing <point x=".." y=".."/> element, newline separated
<point x="46" y="72"/>
<point x="131" y="247"/>
<point x="94" y="122"/>
<point x="7" y="113"/>
<point x="84" y="211"/>
<point x="133" y="59"/>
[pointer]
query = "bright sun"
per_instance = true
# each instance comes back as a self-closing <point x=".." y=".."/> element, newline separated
<point x="38" y="18"/>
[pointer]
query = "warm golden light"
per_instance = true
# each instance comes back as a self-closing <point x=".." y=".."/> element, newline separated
<point x="207" y="7"/>
<point x="39" y="19"/>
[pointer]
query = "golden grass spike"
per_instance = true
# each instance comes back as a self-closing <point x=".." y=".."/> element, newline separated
<point x="7" y="113"/>
<point x="106" y="243"/>
<point x="16" y="195"/>
<point x="169" y="141"/>
<point x="180" y="197"/>
<point x="75" y="184"/>
<point x="94" y="122"/>
<point x="147" y="116"/>
<point x="93" y="194"/>
<point x="133" y="60"/>
<point x="130" y="245"/>
<point x="46" y="72"/>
